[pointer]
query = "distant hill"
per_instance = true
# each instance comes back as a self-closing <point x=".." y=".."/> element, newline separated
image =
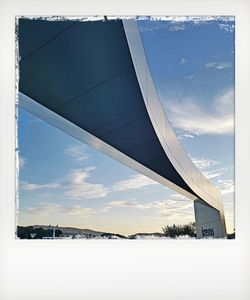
<point x="72" y="230"/>
<point x="44" y="231"/>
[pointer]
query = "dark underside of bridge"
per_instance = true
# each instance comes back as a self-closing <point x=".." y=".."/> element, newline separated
<point x="84" y="72"/>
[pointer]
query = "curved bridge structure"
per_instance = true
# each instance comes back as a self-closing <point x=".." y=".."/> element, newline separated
<point x="91" y="80"/>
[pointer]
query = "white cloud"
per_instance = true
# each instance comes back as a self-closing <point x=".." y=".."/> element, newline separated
<point x="214" y="173"/>
<point x="224" y="104"/>
<point x="203" y="163"/>
<point x="181" y="197"/>
<point x="189" y="76"/>
<point x="48" y="209"/>
<point x="179" y="23"/>
<point x="89" y="169"/>
<point x="184" y="136"/>
<point x="129" y="204"/>
<point x="226" y="186"/>
<point x="177" y="27"/>
<point x="183" y="213"/>
<point x="134" y="182"/>
<point x="74" y="186"/>
<point x="183" y="61"/>
<point x="22" y="161"/>
<point x="176" y="206"/>
<point x="170" y="26"/>
<point x="77" y="187"/>
<point x="173" y="209"/>
<point x="227" y="27"/>
<point x="194" y="19"/>
<point x="190" y="117"/>
<point x="219" y="65"/>
<point x="33" y="186"/>
<point x="77" y="153"/>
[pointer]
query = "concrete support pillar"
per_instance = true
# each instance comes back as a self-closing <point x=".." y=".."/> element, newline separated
<point x="210" y="222"/>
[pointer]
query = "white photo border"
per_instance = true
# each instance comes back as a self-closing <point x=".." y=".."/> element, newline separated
<point x="140" y="270"/>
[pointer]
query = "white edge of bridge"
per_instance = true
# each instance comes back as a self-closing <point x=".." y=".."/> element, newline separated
<point x="75" y="131"/>
<point x="171" y="145"/>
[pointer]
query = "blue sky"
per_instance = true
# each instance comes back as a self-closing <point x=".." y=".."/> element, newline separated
<point x="63" y="181"/>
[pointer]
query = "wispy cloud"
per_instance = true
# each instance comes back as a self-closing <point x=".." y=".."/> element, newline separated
<point x="214" y="173"/>
<point x="183" y="61"/>
<point x="194" y="19"/>
<point x="177" y="27"/>
<point x="218" y="65"/>
<point x="77" y="187"/>
<point x="134" y="182"/>
<point x="74" y="186"/>
<point x="206" y="166"/>
<point x="22" y="161"/>
<point x="203" y="163"/>
<point x="184" y="136"/>
<point x="77" y="153"/>
<point x="184" y="213"/>
<point x="187" y="115"/>
<point x="24" y="185"/>
<point x="179" y="197"/>
<point x="180" y="23"/>
<point x="50" y="209"/>
<point x="226" y="186"/>
<point x="189" y="77"/>
<point x="228" y="27"/>
<point x="173" y="207"/>
<point x="164" y="25"/>
<point x="170" y="208"/>
<point x="129" y="204"/>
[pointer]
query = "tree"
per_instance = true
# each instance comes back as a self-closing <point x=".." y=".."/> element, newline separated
<point x="25" y="232"/>
<point x="180" y="230"/>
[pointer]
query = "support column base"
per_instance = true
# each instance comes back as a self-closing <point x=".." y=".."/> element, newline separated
<point x="210" y="222"/>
